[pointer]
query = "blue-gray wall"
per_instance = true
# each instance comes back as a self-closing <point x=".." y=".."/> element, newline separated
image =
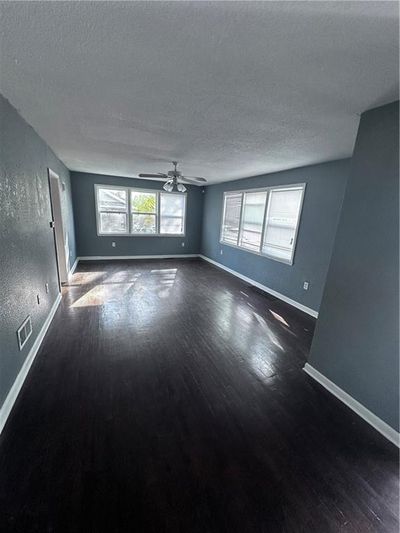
<point x="356" y="342"/>
<point x="321" y="208"/>
<point x="27" y="255"/>
<point x="90" y="244"/>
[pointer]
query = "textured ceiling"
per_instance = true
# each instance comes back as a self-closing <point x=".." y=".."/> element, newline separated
<point x="229" y="89"/>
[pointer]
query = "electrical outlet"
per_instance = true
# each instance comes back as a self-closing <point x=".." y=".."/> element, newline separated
<point x="38" y="299"/>
<point x="47" y="288"/>
<point x="183" y="244"/>
<point x="113" y="244"/>
<point x="306" y="284"/>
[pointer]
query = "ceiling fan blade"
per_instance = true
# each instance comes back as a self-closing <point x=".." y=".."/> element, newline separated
<point x="194" y="179"/>
<point x="159" y="175"/>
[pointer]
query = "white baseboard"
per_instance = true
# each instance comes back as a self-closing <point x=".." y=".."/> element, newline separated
<point x="282" y="297"/>
<point x="277" y="294"/>
<point x="381" y="426"/>
<point x="73" y="268"/>
<point x="119" y="257"/>
<point x="19" y="381"/>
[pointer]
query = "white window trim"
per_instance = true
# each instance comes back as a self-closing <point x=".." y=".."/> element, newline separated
<point x="301" y="186"/>
<point x="128" y="233"/>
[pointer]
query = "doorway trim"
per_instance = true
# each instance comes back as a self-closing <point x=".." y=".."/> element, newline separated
<point x="57" y="225"/>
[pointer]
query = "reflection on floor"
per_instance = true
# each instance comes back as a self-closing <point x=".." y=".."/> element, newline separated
<point x="169" y="396"/>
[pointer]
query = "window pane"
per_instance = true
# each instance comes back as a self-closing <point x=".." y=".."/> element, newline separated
<point x="143" y="202"/>
<point x="230" y="224"/>
<point x="143" y="223"/>
<point x="282" y="218"/>
<point x="172" y="204"/>
<point x="113" y="223"/>
<point x="172" y="225"/>
<point x="112" y="200"/>
<point x="172" y="211"/>
<point x="252" y="220"/>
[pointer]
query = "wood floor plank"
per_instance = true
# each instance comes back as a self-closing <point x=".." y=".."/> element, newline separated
<point x="168" y="396"/>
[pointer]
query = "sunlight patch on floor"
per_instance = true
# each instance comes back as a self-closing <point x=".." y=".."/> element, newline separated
<point x="102" y="294"/>
<point x="85" y="278"/>
<point x="279" y="318"/>
<point x="166" y="279"/>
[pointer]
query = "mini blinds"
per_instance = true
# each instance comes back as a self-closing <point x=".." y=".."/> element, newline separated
<point x="172" y="213"/>
<point x="128" y="211"/>
<point x="231" y="218"/>
<point x="252" y="219"/>
<point x="263" y="221"/>
<point x="281" y="223"/>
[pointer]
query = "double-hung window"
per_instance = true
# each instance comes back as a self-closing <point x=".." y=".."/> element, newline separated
<point x="252" y="220"/>
<point x="137" y="212"/>
<point x="143" y="212"/>
<point x="264" y="221"/>
<point x="231" y="218"/>
<point x="112" y="210"/>
<point x="172" y="213"/>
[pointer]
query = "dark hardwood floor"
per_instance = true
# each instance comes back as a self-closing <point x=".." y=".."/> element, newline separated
<point x="168" y="396"/>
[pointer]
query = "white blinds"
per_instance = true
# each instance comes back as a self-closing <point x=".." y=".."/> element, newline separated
<point x="281" y="222"/>
<point x="231" y="218"/>
<point x="263" y="221"/>
<point x="172" y="213"/>
<point x="252" y="219"/>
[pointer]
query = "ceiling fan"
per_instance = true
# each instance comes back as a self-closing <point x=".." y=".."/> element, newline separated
<point x="174" y="179"/>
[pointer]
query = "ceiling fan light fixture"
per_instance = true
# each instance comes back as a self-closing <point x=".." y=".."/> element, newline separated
<point x="172" y="177"/>
<point x="168" y="186"/>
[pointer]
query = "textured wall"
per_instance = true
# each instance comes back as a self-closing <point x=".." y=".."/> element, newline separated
<point x="322" y="202"/>
<point x="89" y="243"/>
<point x="356" y="343"/>
<point x="27" y="257"/>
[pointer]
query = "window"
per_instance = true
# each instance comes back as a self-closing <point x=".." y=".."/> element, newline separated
<point x="231" y="218"/>
<point x="281" y="223"/>
<point x="263" y="221"/>
<point x="143" y="212"/>
<point x="128" y="211"/>
<point x="112" y="209"/>
<point x="252" y="219"/>
<point x="172" y="213"/>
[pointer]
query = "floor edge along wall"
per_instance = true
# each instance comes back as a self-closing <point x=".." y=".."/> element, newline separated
<point x="12" y="396"/>
<point x="376" y="422"/>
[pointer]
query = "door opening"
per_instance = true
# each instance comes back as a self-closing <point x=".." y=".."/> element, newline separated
<point x="60" y="241"/>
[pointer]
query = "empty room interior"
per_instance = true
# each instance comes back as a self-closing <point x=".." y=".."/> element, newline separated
<point x="199" y="267"/>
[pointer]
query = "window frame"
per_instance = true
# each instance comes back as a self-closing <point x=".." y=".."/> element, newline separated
<point x="161" y="193"/>
<point x="289" y="262"/>
<point x="129" y="213"/>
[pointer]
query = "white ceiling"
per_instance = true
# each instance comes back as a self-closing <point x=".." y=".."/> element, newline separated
<point x="229" y="89"/>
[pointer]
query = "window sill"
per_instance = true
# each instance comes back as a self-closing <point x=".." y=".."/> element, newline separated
<point x="176" y="235"/>
<point x="284" y="261"/>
